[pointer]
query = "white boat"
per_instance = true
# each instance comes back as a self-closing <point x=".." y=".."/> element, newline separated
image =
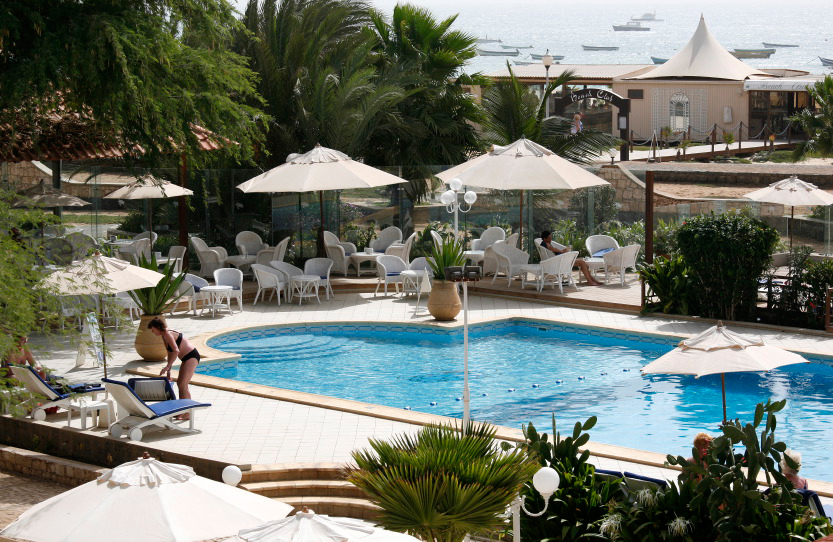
<point x="516" y="46"/>
<point x="486" y="40"/>
<point x="753" y="53"/>
<point x="524" y="62"/>
<point x="598" y="48"/>
<point x="658" y="60"/>
<point x="631" y="26"/>
<point x="826" y="61"/>
<point x="535" y="56"/>
<point x="484" y="52"/>
<point x="778" y="45"/>
<point x="648" y="17"/>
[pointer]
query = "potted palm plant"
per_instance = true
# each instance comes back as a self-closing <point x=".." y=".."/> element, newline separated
<point x="153" y="302"/>
<point x="444" y="301"/>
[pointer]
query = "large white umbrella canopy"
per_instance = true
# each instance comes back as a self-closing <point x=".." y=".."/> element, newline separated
<point x="150" y="188"/>
<point x="145" y="501"/>
<point x="793" y="192"/>
<point x="306" y="526"/>
<point x="718" y="350"/>
<point x="47" y="196"/>
<point x="522" y="165"/>
<point x="99" y="274"/>
<point x="317" y="170"/>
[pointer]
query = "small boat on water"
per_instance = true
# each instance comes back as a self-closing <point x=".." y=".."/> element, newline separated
<point x="631" y="26"/>
<point x="525" y="62"/>
<point x="648" y="17"/>
<point x="778" y="45"/>
<point x="516" y="46"/>
<point x="753" y="53"/>
<point x="535" y="56"/>
<point x="598" y="48"/>
<point x="826" y="61"/>
<point x="486" y="40"/>
<point x="484" y="52"/>
<point x="658" y="60"/>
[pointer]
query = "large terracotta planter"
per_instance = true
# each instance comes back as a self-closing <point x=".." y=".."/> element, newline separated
<point x="151" y="347"/>
<point x="444" y="301"/>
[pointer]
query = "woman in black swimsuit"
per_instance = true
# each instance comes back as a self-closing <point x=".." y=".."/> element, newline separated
<point x="178" y="347"/>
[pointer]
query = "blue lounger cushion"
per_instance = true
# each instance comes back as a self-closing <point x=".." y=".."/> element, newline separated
<point x="657" y="481"/>
<point x="166" y="408"/>
<point x="602" y="252"/>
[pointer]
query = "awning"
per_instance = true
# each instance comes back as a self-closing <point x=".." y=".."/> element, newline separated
<point x="782" y="85"/>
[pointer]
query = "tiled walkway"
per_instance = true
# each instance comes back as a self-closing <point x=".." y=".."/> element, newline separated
<point x="245" y="429"/>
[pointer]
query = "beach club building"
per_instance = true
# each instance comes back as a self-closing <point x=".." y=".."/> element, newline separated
<point x="701" y="87"/>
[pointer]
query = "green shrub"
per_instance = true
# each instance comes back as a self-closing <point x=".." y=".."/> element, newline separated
<point x="665" y="236"/>
<point x="134" y="222"/>
<point x="580" y="500"/>
<point x="604" y="205"/>
<point x="669" y="279"/>
<point x="817" y="278"/>
<point x="727" y="254"/>
<point x="625" y="234"/>
<point x="568" y="232"/>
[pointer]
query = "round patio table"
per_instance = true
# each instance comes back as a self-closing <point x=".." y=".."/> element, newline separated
<point x="219" y="297"/>
<point x="305" y="286"/>
<point x="360" y="257"/>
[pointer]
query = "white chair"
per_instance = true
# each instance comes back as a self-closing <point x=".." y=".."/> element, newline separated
<point x="287" y="270"/>
<point x="58" y="251"/>
<point x="413" y="275"/>
<point x="331" y="239"/>
<point x="151" y="235"/>
<point x="234" y="278"/>
<point x="190" y="288"/>
<point x="248" y="244"/>
<point x="424" y="287"/>
<point x="556" y="270"/>
<point x="341" y="261"/>
<point x="211" y="258"/>
<point x="599" y="245"/>
<point x="512" y="240"/>
<point x="511" y="261"/>
<point x="176" y="257"/>
<point x="82" y="245"/>
<point x="123" y="302"/>
<point x="268" y="278"/>
<point x="133" y="252"/>
<point x="34" y="384"/>
<point x="488" y="238"/>
<point x="390" y="272"/>
<point x="322" y="268"/>
<point x="619" y="260"/>
<point x="387" y="237"/>
<point x="403" y="251"/>
<point x="438" y="240"/>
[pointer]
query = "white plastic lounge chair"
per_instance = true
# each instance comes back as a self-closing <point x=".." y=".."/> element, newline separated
<point x="390" y="272"/>
<point x="512" y="240"/>
<point x="599" y="245"/>
<point x="82" y="396"/>
<point x="512" y="262"/>
<point x="424" y="287"/>
<point x="211" y="258"/>
<point x="402" y="250"/>
<point x="234" y="278"/>
<point x="556" y="270"/>
<point x="140" y="414"/>
<point x="331" y="239"/>
<point x="340" y="258"/>
<point x="322" y="268"/>
<point x="176" y="257"/>
<point x="413" y="275"/>
<point x="438" y="240"/>
<point x="268" y="278"/>
<point x="488" y="238"/>
<point x="57" y="251"/>
<point x="636" y="482"/>
<point x="134" y="250"/>
<point x="248" y="245"/>
<point x="151" y="235"/>
<point x="280" y="250"/>
<point x="124" y="302"/>
<point x="287" y="271"/>
<point x="190" y="288"/>
<point x="619" y="260"/>
<point x="387" y="237"/>
<point x="82" y="245"/>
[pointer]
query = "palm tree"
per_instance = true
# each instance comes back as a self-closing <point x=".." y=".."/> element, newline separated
<point x="443" y="483"/>
<point x="426" y="57"/>
<point x="817" y="124"/>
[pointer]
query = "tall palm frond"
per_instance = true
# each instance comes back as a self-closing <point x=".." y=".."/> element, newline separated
<point x="818" y="123"/>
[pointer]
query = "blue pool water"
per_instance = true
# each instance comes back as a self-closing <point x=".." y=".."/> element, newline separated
<point x="524" y="371"/>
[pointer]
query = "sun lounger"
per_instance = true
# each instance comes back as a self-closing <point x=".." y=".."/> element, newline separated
<point x="635" y="482"/>
<point x="141" y="414"/>
<point x="79" y="398"/>
<point x="811" y="499"/>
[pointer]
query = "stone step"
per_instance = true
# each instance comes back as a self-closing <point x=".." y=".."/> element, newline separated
<point x="334" y="506"/>
<point x="293" y="471"/>
<point x="307" y="488"/>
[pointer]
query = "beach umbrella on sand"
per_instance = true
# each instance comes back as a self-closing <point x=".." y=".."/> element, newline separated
<point x="718" y="350"/>
<point x="522" y="165"/>
<point x="306" y="526"/>
<point x="150" y="188"/>
<point x="316" y="171"/>
<point x="793" y="192"/>
<point x="146" y="500"/>
<point x="44" y="195"/>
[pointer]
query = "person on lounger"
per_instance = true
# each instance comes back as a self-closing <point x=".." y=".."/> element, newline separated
<point x="546" y="242"/>
<point x="178" y="347"/>
<point x="21" y="355"/>
<point x="790" y="473"/>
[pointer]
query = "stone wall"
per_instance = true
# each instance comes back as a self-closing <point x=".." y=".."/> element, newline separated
<point x="754" y="177"/>
<point x="46" y="467"/>
<point x="21" y="175"/>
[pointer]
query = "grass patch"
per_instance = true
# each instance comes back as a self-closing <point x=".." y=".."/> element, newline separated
<point x="92" y="219"/>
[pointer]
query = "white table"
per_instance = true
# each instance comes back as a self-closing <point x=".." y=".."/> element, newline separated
<point x="593" y="264"/>
<point x="219" y="297"/>
<point x="476" y="256"/>
<point x="86" y="405"/>
<point x="305" y="286"/>
<point x="359" y="257"/>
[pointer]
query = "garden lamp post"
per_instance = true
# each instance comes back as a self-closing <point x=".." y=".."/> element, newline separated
<point x="545" y="482"/>
<point x="465" y="274"/>
<point x="452" y="203"/>
<point x="547" y="60"/>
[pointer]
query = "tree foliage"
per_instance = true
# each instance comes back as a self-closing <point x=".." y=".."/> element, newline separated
<point x="817" y="124"/>
<point x="143" y="72"/>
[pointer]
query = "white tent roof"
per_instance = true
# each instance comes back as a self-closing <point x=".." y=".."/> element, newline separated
<point x="702" y="58"/>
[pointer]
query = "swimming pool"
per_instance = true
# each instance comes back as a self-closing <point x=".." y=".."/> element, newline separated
<point x="522" y="371"/>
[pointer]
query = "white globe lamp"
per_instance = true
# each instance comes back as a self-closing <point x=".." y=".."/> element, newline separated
<point x="546" y="481"/>
<point x="470" y="197"/>
<point x="455" y="184"/>
<point x="232" y="475"/>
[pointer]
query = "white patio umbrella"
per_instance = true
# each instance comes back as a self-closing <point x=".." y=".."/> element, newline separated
<point x="318" y="170"/>
<point x="150" y="188"/>
<point x="522" y="165"/>
<point x="718" y="350"/>
<point x="145" y="501"/>
<point x="47" y="196"/>
<point x="793" y="192"/>
<point x="306" y="526"/>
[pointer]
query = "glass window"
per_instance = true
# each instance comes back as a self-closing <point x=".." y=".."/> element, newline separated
<point x="679" y="113"/>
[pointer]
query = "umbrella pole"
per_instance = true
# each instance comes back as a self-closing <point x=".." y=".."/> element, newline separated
<point x="790" y="225"/>
<point x="521" y="234"/>
<point x="150" y="222"/>
<point x="723" y="386"/>
<point x="320" y="241"/>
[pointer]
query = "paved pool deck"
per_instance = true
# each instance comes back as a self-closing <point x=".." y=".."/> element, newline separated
<point x="266" y="428"/>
